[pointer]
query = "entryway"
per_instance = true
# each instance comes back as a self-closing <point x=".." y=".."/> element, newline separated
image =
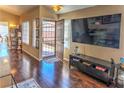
<point x="48" y="38"/>
<point x="52" y="39"/>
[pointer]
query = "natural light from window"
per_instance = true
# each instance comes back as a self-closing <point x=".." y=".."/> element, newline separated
<point x="67" y="31"/>
<point x="25" y="32"/>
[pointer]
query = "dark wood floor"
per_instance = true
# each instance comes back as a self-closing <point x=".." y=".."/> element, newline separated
<point x="50" y="75"/>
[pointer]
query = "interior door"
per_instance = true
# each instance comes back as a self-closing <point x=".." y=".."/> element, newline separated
<point x="60" y="39"/>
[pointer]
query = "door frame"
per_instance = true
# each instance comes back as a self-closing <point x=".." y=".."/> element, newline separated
<point x="41" y="38"/>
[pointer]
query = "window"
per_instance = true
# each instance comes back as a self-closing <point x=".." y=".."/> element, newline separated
<point x="4" y="29"/>
<point x="67" y="32"/>
<point x="34" y="34"/>
<point x="3" y="38"/>
<point x="25" y="32"/>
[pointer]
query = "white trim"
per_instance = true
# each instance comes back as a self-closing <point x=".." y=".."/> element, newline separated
<point x="31" y="55"/>
<point x="66" y="59"/>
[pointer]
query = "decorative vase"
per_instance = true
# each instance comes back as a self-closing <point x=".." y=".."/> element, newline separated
<point x="76" y="50"/>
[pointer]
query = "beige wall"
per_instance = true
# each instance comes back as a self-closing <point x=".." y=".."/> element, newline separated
<point x="92" y="50"/>
<point x="29" y="16"/>
<point x="10" y="18"/>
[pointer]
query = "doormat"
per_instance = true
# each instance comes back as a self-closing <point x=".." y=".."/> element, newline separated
<point x="49" y="60"/>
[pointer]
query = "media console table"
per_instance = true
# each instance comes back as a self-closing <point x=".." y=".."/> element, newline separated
<point x="98" y="68"/>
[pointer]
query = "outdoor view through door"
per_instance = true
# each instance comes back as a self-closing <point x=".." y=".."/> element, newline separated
<point x="48" y="37"/>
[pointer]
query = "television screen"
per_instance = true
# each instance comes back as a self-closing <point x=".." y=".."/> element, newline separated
<point x="102" y="30"/>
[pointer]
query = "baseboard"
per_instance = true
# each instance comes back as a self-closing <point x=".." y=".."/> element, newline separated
<point x="31" y="54"/>
<point x="66" y="59"/>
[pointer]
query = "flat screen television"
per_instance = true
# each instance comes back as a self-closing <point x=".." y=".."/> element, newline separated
<point x="101" y="30"/>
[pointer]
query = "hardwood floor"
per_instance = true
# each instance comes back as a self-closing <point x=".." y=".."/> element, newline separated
<point x="49" y="75"/>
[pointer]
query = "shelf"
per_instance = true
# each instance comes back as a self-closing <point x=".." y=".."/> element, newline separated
<point x="15" y="38"/>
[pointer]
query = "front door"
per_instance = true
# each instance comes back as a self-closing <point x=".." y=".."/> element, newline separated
<point x="60" y="39"/>
<point x="48" y="36"/>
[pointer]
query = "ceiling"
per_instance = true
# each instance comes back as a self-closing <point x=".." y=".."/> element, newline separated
<point x="16" y="9"/>
<point x="69" y="8"/>
<point x="20" y="9"/>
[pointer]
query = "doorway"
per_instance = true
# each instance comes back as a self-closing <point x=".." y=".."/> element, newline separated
<point x="48" y="38"/>
<point x="52" y="44"/>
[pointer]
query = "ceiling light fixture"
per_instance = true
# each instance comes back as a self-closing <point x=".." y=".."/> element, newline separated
<point x="57" y="8"/>
<point x="12" y="26"/>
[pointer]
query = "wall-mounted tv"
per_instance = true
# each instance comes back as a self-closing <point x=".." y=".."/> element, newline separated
<point x="101" y="30"/>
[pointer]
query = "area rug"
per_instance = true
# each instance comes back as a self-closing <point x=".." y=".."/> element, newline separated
<point x="30" y="83"/>
<point x="51" y="60"/>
